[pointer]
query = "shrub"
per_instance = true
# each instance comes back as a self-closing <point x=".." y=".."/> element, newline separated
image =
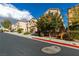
<point x="67" y="37"/>
<point x="32" y="29"/>
<point x="74" y="35"/>
<point x="26" y="33"/>
<point x="41" y="34"/>
<point x="19" y="30"/>
<point x="1" y="30"/>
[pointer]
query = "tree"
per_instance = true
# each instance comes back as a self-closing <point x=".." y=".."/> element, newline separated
<point x="41" y="25"/>
<point x="50" y="23"/>
<point x="6" y="24"/>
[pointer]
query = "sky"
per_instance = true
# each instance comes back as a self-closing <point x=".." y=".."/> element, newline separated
<point x="33" y="10"/>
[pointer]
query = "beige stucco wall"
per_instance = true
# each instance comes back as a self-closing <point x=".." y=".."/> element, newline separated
<point x="26" y="26"/>
<point x="71" y="14"/>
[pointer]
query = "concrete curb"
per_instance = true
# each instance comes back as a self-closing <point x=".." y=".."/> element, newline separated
<point x="58" y="40"/>
<point x="58" y="43"/>
<point x="21" y="35"/>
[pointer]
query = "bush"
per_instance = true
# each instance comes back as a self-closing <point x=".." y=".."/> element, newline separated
<point x="32" y="30"/>
<point x="26" y="33"/>
<point x="19" y="30"/>
<point x="6" y="30"/>
<point x="74" y="35"/>
<point x="1" y="30"/>
<point x="41" y="34"/>
<point x="67" y="37"/>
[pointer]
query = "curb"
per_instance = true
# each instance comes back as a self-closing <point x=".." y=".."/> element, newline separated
<point x="25" y="36"/>
<point x="59" y="43"/>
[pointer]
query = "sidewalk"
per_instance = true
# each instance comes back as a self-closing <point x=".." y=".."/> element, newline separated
<point x="58" y="40"/>
<point x="65" y="43"/>
<point x="69" y="44"/>
<point x="19" y="34"/>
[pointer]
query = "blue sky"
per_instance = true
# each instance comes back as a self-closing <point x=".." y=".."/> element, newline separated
<point x="20" y="10"/>
<point x="38" y="9"/>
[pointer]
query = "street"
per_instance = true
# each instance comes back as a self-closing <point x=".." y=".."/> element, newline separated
<point x="11" y="45"/>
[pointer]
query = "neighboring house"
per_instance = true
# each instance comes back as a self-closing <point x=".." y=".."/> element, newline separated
<point x="54" y="11"/>
<point x="73" y="17"/>
<point x="13" y="27"/>
<point x="73" y="14"/>
<point x="27" y="26"/>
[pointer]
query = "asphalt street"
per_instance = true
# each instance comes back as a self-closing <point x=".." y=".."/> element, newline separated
<point x="11" y="45"/>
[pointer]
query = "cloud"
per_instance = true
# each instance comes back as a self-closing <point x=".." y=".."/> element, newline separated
<point x="8" y="10"/>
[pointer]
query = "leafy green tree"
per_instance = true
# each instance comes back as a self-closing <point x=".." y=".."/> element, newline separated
<point x="50" y="23"/>
<point x="6" y="24"/>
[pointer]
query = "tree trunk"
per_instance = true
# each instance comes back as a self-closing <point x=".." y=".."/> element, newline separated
<point x="49" y="34"/>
